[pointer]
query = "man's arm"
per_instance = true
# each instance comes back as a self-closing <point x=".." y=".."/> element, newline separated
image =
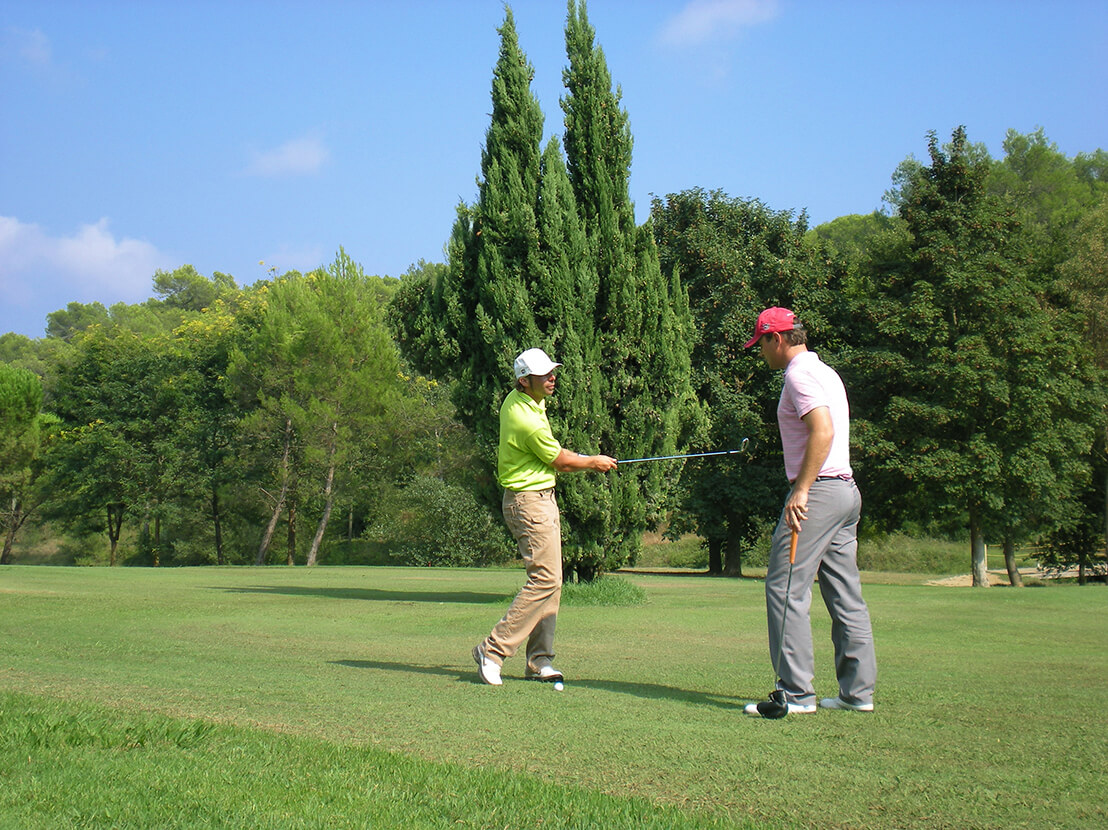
<point x="821" y="432"/>
<point x="569" y="462"/>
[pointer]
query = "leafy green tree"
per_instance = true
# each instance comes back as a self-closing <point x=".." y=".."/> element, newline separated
<point x="207" y="420"/>
<point x="411" y="314"/>
<point x="359" y="381"/>
<point x="565" y="298"/>
<point x="737" y="257"/>
<point x="1052" y="194"/>
<point x="21" y="431"/>
<point x="188" y="290"/>
<point x="18" y="350"/>
<point x="20" y="402"/>
<point x="320" y="374"/>
<point x="513" y="269"/>
<point x="962" y="410"/>
<point x="75" y="318"/>
<point x="112" y="457"/>
<point x="264" y="371"/>
<point x="869" y="244"/>
<point x="1083" y="278"/>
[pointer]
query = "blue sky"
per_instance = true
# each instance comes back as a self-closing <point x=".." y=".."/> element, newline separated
<point x="137" y="136"/>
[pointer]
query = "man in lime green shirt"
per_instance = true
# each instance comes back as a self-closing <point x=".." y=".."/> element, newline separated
<point x="528" y="460"/>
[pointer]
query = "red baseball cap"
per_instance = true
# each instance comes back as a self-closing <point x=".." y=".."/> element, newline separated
<point x="770" y="320"/>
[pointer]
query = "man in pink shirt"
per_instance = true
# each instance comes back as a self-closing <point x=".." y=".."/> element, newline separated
<point x="823" y="507"/>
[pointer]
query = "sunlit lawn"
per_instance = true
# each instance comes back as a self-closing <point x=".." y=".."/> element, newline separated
<point x="327" y="697"/>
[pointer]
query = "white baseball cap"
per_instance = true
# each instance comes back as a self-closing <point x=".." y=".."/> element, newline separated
<point x="534" y="362"/>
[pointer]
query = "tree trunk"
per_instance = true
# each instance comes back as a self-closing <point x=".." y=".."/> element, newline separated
<point x="115" y="523"/>
<point x="279" y="506"/>
<point x="978" y="560"/>
<point x="1010" y="563"/>
<point x="9" y="540"/>
<point x="733" y="553"/>
<point x="291" y="558"/>
<point x="271" y="528"/>
<point x="16" y="521"/>
<point x="157" y="541"/>
<point x="329" y="498"/>
<point x="715" y="556"/>
<point x="217" y="524"/>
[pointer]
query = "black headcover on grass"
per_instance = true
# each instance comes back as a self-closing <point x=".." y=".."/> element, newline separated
<point x="776" y="707"/>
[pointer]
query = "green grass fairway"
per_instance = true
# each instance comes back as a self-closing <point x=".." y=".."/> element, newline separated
<point x="346" y="697"/>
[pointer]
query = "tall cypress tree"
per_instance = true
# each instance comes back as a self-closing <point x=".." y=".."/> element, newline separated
<point x="566" y="299"/>
<point x="641" y="319"/>
<point x="550" y="256"/>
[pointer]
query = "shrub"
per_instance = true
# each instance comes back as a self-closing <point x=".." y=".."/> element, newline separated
<point x="605" y="590"/>
<point x="432" y="523"/>
<point x="900" y="553"/>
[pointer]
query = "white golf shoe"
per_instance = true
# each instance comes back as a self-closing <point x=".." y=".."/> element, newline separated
<point x="487" y="670"/>
<point x="839" y="703"/>
<point x="547" y="674"/>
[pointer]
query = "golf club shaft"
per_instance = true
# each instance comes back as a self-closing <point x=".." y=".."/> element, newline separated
<point x="785" y="610"/>
<point x="742" y="447"/>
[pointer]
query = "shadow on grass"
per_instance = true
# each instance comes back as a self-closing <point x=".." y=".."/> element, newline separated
<point x="649" y="691"/>
<point x="634" y="570"/>
<point x="372" y="594"/>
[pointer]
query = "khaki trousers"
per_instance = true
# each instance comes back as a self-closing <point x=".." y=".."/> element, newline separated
<point x="536" y="525"/>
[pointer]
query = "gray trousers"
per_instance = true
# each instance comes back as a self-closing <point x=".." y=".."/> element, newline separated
<point x="827" y="548"/>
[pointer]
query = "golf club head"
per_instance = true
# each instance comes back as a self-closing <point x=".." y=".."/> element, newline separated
<point x="776" y="707"/>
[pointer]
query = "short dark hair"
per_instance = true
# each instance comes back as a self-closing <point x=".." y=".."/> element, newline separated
<point x="797" y="336"/>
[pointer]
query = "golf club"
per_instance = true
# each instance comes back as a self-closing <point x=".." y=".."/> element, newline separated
<point x="778" y="705"/>
<point x="742" y="447"/>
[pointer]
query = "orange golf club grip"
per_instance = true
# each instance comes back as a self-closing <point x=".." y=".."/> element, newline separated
<point x="792" y="549"/>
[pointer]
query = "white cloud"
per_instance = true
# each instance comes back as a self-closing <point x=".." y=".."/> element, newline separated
<point x="301" y="156"/>
<point x="31" y="47"/>
<point x="91" y="265"/>
<point x="702" y="21"/>
<point x="31" y="52"/>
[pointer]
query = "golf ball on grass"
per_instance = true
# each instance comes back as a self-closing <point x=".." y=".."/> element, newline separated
<point x="559" y="685"/>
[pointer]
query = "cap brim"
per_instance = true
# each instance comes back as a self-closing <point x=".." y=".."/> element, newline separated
<point x="535" y="370"/>
<point x="752" y="341"/>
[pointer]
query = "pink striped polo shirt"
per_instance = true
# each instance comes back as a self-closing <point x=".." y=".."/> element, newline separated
<point x="811" y="383"/>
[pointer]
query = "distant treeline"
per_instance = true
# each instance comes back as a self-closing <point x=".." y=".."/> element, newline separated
<point x="287" y="420"/>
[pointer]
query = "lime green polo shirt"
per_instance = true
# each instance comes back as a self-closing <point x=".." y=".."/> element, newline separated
<point x="527" y="446"/>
